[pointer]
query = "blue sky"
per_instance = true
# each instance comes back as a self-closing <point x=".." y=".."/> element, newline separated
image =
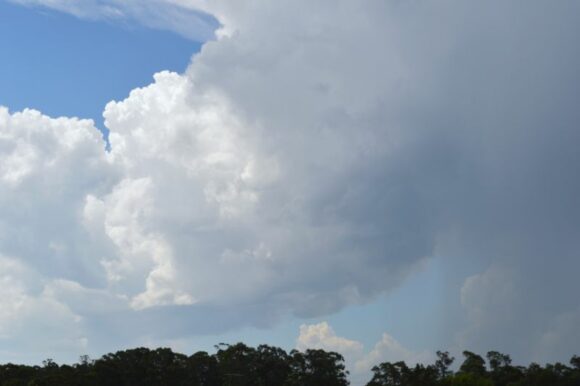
<point x="64" y="66"/>
<point x="383" y="179"/>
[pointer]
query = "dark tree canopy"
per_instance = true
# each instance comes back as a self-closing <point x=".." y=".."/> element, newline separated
<point x="474" y="372"/>
<point x="473" y="364"/>
<point x="242" y="365"/>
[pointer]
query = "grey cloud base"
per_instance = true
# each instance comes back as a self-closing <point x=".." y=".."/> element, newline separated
<point x="311" y="158"/>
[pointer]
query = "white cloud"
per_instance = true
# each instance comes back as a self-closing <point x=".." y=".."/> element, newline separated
<point x="322" y="336"/>
<point x="31" y="319"/>
<point x="358" y="361"/>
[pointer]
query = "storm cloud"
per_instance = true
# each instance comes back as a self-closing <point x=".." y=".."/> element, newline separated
<point x="312" y="157"/>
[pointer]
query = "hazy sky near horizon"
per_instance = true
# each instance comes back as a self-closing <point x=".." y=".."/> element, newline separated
<point x="381" y="178"/>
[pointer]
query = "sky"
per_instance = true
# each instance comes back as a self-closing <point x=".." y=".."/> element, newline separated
<point x="381" y="178"/>
<point x="51" y="60"/>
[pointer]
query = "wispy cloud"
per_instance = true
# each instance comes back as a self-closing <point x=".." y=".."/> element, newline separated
<point x="186" y="20"/>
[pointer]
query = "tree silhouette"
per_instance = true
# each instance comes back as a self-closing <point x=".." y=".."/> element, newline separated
<point x="242" y="365"/>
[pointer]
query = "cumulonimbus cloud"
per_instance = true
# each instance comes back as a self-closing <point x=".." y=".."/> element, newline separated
<point x="310" y="158"/>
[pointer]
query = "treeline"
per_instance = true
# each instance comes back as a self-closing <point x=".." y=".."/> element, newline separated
<point x="241" y="365"/>
<point x="231" y="365"/>
<point x="499" y="371"/>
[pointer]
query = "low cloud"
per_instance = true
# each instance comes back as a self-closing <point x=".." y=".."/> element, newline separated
<point x="322" y="336"/>
<point x="388" y="349"/>
<point x="358" y="360"/>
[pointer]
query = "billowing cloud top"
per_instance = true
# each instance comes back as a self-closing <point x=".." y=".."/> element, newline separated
<point x="310" y="158"/>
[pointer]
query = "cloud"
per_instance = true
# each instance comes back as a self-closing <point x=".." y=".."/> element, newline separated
<point x="500" y="298"/>
<point x="490" y="297"/>
<point x="388" y="349"/>
<point x="32" y="320"/>
<point x="322" y="336"/>
<point x="48" y="167"/>
<point x="309" y="159"/>
<point x="560" y="335"/>
<point x="231" y="204"/>
<point x="358" y="361"/>
<point x="189" y="21"/>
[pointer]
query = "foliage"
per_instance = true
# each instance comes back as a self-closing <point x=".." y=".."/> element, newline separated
<point x="241" y="365"/>
<point x="473" y="372"/>
<point x="231" y="365"/>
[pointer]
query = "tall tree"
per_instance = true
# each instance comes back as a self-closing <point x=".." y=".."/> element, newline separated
<point x="473" y="364"/>
<point x="202" y="370"/>
<point x="442" y="364"/>
<point x="317" y="367"/>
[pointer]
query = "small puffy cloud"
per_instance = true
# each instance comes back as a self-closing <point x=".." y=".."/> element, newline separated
<point x="48" y="166"/>
<point x="139" y="252"/>
<point x="358" y="361"/>
<point x="322" y="336"/>
<point x="388" y="349"/>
